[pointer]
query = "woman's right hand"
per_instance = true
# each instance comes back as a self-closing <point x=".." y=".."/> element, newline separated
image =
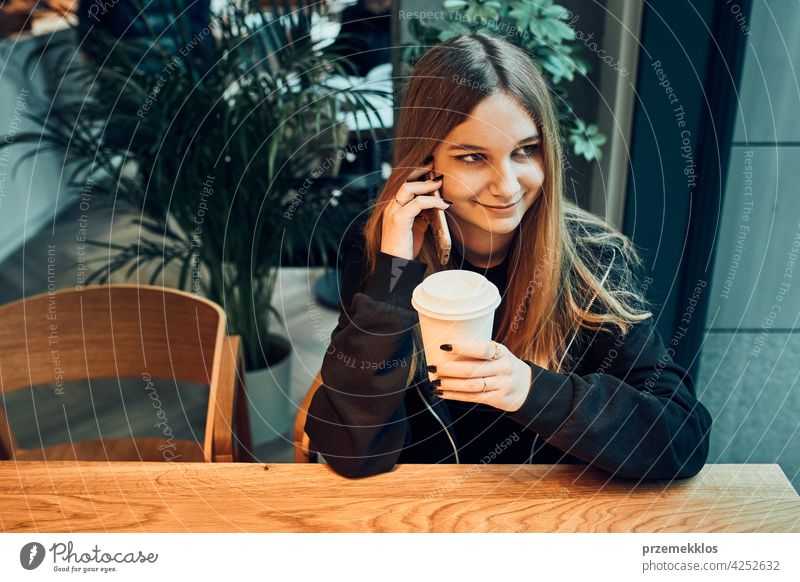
<point x="404" y="227"/>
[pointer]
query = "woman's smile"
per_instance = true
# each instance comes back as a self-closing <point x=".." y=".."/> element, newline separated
<point x="508" y="210"/>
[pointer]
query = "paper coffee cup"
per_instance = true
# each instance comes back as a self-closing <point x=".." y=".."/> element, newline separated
<point x="454" y="306"/>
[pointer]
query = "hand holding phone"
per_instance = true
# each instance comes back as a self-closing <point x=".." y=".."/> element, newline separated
<point x="438" y="224"/>
<point x="406" y="220"/>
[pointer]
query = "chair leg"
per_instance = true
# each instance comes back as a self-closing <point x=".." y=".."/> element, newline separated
<point x="244" y="444"/>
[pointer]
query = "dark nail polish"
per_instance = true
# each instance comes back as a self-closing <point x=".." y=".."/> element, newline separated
<point x="437" y="382"/>
<point x="439" y="178"/>
<point x="446" y="347"/>
<point x="438" y="392"/>
<point x="432" y="369"/>
<point x="447" y="201"/>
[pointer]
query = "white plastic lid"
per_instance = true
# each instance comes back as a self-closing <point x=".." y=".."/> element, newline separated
<point x="455" y="294"/>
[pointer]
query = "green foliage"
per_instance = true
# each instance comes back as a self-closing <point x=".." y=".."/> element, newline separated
<point x="541" y="27"/>
<point x="211" y="137"/>
<point x="587" y="140"/>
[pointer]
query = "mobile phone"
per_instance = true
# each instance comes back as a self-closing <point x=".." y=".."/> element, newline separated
<point x="438" y="224"/>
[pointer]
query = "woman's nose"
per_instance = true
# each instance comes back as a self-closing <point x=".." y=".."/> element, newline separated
<point x="504" y="184"/>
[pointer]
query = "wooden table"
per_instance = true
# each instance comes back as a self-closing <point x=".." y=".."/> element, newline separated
<point x="196" y="497"/>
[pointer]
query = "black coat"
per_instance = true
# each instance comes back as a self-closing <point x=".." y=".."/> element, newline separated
<point x="624" y="407"/>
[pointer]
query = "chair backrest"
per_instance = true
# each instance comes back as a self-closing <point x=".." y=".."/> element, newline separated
<point x="304" y="450"/>
<point x="110" y="331"/>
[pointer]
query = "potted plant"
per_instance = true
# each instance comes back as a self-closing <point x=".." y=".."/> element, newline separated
<point x="542" y="28"/>
<point x="221" y="137"/>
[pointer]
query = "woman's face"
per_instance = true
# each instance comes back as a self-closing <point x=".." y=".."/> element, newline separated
<point x="494" y="159"/>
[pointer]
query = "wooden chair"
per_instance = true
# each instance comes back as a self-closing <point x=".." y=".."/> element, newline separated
<point x="304" y="451"/>
<point x="126" y="331"/>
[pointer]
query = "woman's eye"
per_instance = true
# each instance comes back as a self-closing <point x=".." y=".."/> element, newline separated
<point x="530" y="150"/>
<point x="468" y="158"/>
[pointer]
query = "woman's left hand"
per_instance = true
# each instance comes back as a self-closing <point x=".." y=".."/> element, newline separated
<point x="503" y="382"/>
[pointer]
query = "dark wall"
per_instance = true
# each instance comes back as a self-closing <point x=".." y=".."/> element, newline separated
<point x="689" y="68"/>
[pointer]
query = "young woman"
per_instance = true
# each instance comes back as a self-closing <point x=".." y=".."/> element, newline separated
<point x="576" y="373"/>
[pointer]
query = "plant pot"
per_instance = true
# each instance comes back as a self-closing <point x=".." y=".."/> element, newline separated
<point x="269" y="397"/>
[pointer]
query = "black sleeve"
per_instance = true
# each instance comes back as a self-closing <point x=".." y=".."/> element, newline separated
<point x="635" y="415"/>
<point x="357" y="418"/>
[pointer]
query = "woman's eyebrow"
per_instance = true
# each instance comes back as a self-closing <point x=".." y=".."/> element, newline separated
<point x="466" y="146"/>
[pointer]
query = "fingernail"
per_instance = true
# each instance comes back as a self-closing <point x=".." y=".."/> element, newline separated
<point x="446" y="201"/>
<point x="437" y="382"/>
<point x="446" y="347"/>
<point x="432" y="369"/>
<point x="439" y="178"/>
<point x="438" y="392"/>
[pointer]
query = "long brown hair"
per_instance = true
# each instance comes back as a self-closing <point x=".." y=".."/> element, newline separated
<point x="560" y="252"/>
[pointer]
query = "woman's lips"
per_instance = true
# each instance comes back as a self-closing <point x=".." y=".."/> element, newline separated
<point x="501" y="209"/>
